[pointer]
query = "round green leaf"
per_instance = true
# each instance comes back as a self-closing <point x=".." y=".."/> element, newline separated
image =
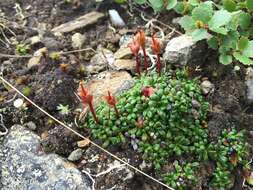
<point x="220" y="18"/>
<point x="225" y="59"/>
<point x="187" y="23"/>
<point x="229" y="5"/>
<point x="213" y="43"/>
<point x="244" y="20"/>
<point x="171" y="4"/>
<point x="157" y="5"/>
<point x="179" y="8"/>
<point x="243" y="43"/>
<point x="202" y="13"/>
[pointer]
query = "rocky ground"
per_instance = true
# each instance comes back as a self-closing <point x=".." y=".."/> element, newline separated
<point x="38" y="153"/>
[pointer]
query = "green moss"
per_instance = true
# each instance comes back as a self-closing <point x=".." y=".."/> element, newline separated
<point x="171" y="122"/>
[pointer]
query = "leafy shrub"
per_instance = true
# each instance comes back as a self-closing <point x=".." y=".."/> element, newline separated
<point x="226" y="26"/>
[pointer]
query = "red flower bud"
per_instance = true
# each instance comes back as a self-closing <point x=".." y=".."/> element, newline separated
<point x="156" y="45"/>
<point x="147" y="91"/>
<point x="87" y="99"/>
<point x="134" y="46"/>
<point x="111" y="100"/>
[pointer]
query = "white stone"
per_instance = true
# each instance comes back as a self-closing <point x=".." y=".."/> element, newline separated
<point x="18" y="103"/>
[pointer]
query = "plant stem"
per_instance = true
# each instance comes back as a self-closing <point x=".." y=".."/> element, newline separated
<point x="159" y="66"/>
<point x="138" y="64"/>
<point x="93" y="112"/>
<point x="145" y="60"/>
<point x="116" y="110"/>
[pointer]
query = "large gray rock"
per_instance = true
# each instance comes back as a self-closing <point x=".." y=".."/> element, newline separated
<point x="182" y="50"/>
<point x="26" y="167"/>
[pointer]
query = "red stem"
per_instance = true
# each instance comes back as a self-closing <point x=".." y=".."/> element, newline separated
<point x="138" y="64"/>
<point x="116" y="110"/>
<point x="93" y="112"/>
<point x="159" y="66"/>
<point x="145" y="60"/>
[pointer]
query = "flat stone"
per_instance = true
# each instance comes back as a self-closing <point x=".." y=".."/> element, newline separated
<point x="123" y="52"/>
<point x="115" y="82"/>
<point x="100" y="61"/>
<point x="25" y="165"/>
<point x="124" y="64"/>
<point x="81" y="22"/>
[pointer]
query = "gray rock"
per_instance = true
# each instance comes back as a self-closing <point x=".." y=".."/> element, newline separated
<point x="75" y="155"/>
<point x="31" y="125"/>
<point x="249" y="84"/>
<point x="183" y="50"/>
<point x="207" y="87"/>
<point x="25" y="166"/>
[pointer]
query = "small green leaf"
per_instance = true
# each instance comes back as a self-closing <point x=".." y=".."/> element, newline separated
<point x="248" y="51"/>
<point x="225" y="59"/>
<point x="157" y="5"/>
<point x="229" y="5"/>
<point x="243" y="43"/>
<point x="187" y="23"/>
<point x="219" y="19"/>
<point x="179" y="8"/>
<point x="244" y="20"/>
<point x="213" y="43"/>
<point x="199" y="34"/>
<point x="202" y="13"/>
<point x="242" y="58"/>
<point x="249" y="4"/>
<point x="171" y="4"/>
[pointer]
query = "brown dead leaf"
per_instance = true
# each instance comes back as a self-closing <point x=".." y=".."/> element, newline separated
<point x="83" y="143"/>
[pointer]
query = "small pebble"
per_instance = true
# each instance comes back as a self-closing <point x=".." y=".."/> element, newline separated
<point x="207" y="87"/>
<point x="75" y="155"/>
<point x="116" y="18"/>
<point x="31" y="125"/>
<point x="18" y="103"/>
